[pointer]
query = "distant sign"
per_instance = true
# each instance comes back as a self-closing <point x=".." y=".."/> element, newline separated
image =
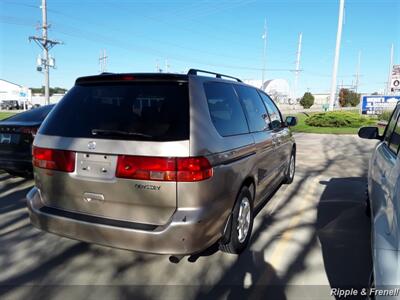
<point x="395" y="78"/>
<point x="375" y="105"/>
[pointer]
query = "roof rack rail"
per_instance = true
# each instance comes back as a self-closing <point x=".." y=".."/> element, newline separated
<point x="195" y="71"/>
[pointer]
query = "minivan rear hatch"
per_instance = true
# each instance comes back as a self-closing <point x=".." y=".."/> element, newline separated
<point x="123" y="134"/>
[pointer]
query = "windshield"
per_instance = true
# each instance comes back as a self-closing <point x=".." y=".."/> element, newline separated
<point x="156" y="111"/>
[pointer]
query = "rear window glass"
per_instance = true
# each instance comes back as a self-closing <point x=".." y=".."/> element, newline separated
<point x="225" y="110"/>
<point x="34" y="115"/>
<point x="151" y="111"/>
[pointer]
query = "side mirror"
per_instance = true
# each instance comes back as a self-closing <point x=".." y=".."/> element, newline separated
<point x="370" y="133"/>
<point x="291" y="121"/>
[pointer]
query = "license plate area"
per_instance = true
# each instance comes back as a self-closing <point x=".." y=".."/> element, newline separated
<point x="9" y="138"/>
<point x="98" y="166"/>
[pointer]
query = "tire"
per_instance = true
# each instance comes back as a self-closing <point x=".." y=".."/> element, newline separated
<point x="291" y="168"/>
<point x="236" y="236"/>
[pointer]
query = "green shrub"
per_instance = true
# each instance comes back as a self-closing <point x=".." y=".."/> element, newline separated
<point x="307" y="100"/>
<point x="385" y="115"/>
<point x="338" y="119"/>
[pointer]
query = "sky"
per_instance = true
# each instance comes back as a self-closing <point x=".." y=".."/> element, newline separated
<point x="221" y="36"/>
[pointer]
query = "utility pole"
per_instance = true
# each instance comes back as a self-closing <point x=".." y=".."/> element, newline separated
<point x="46" y="44"/>
<point x="264" y="37"/>
<point x="336" y="59"/>
<point x="297" y="70"/>
<point x="389" y="81"/>
<point x="358" y="71"/>
<point x="103" y="61"/>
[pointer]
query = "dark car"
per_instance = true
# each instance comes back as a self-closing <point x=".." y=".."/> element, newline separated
<point x="9" y="105"/>
<point x="16" y="137"/>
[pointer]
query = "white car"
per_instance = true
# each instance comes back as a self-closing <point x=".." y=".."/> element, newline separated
<point x="384" y="204"/>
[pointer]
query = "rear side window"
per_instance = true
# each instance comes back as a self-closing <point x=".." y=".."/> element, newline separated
<point x="225" y="110"/>
<point x="34" y="115"/>
<point x="273" y="111"/>
<point x="391" y="126"/>
<point x="151" y="111"/>
<point x="255" y="109"/>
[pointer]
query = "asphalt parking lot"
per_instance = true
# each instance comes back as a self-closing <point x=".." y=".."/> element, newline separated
<point x="311" y="235"/>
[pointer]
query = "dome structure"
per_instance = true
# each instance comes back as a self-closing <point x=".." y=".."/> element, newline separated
<point x="277" y="89"/>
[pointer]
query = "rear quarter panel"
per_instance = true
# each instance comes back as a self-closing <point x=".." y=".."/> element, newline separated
<point x="234" y="159"/>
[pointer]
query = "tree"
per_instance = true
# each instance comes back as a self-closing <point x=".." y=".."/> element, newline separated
<point x="307" y="100"/>
<point x="348" y="98"/>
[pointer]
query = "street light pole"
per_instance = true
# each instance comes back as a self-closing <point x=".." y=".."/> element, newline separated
<point x="264" y="37"/>
<point x="336" y="59"/>
<point x="297" y="70"/>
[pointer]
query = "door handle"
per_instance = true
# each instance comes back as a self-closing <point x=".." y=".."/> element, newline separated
<point x="277" y="140"/>
<point x="88" y="197"/>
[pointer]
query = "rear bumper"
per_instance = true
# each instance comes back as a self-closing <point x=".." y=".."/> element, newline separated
<point x="16" y="164"/>
<point x="188" y="232"/>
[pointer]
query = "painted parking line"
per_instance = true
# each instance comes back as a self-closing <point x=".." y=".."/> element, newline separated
<point x="283" y="244"/>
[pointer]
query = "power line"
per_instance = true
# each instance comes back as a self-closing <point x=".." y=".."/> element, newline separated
<point x="146" y="50"/>
<point x="144" y="35"/>
<point x="124" y="10"/>
<point x="103" y="40"/>
<point x="197" y="50"/>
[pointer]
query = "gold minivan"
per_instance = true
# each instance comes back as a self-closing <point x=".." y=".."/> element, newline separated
<point x="159" y="163"/>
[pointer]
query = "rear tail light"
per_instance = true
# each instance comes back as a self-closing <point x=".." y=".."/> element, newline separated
<point x="163" y="168"/>
<point x="52" y="159"/>
<point x="193" y="169"/>
<point x="29" y="130"/>
<point x="146" y="168"/>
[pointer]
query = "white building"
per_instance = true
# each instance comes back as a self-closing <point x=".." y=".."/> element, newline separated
<point x="13" y="91"/>
<point x="321" y="99"/>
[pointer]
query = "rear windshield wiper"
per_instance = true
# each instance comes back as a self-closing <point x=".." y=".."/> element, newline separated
<point x="119" y="133"/>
